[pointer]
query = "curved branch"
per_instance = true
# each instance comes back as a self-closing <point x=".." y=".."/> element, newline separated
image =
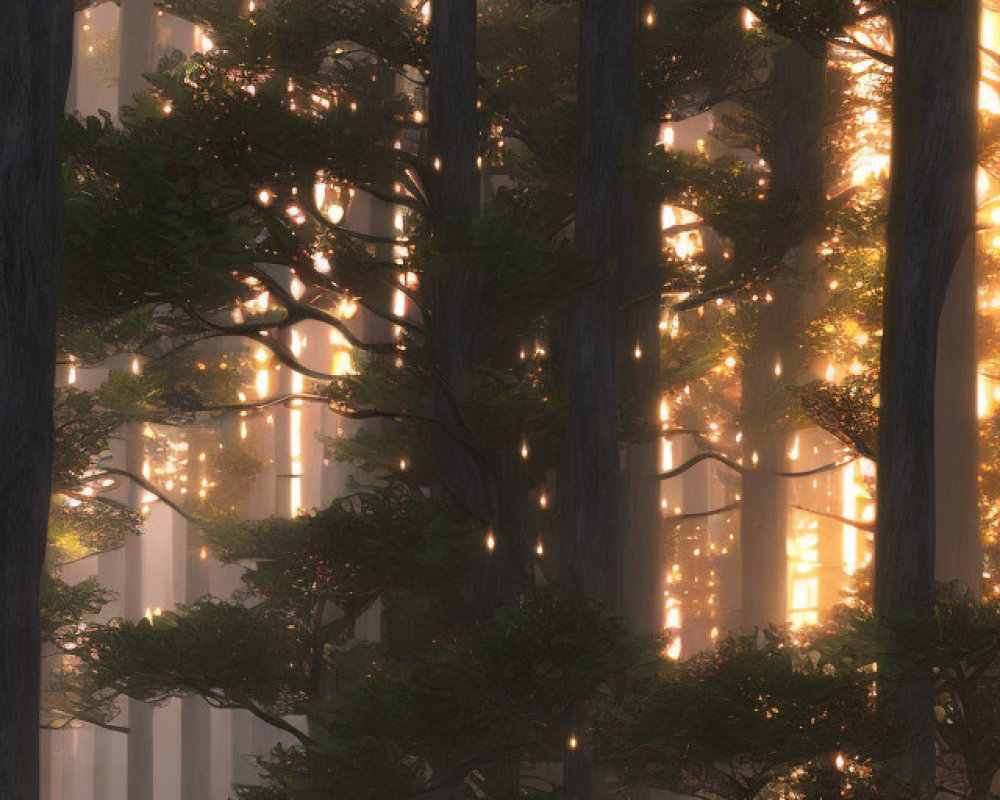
<point x="871" y="52"/>
<point x="703" y="298"/>
<point x="694" y="460"/>
<point x="271" y="719"/>
<point x="149" y="487"/>
<point x="392" y="198"/>
<point x="867" y="527"/>
<point x="81" y="718"/>
<point x="297" y="312"/>
<point x="339" y="410"/>
<point x="700" y="514"/>
<point x="258" y="333"/>
<point x="388" y="316"/>
<point x="268" y="402"/>
<point x="817" y="470"/>
<point x="993" y="54"/>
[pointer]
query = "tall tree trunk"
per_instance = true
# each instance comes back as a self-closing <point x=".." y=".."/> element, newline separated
<point x="640" y="525"/>
<point x="494" y="491"/>
<point x="35" y="60"/>
<point x="588" y="479"/>
<point x="959" y="552"/>
<point x="763" y="498"/>
<point x="136" y="54"/>
<point x="931" y="218"/>
<point x="452" y="150"/>
<point x="795" y="152"/>
<point x="589" y="475"/>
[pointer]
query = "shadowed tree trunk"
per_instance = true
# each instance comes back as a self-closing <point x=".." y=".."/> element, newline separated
<point x="798" y="86"/>
<point x="452" y="149"/>
<point x="495" y="492"/>
<point x="931" y="219"/>
<point x="35" y="60"/>
<point x="640" y="282"/>
<point x="589" y="475"/>
<point x="588" y="480"/>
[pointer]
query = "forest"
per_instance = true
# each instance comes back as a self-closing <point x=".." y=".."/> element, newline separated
<point x="496" y="399"/>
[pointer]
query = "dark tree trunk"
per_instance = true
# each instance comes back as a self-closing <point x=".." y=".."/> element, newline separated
<point x="588" y="480"/>
<point x="453" y="122"/>
<point x="795" y="152"/>
<point x="452" y="149"/>
<point x="491" y="486"/>
<point x="35" y="59"/>
<point x="640" y="525"/>
<point x="589" y="475"/>
<point x="931" y="218"/>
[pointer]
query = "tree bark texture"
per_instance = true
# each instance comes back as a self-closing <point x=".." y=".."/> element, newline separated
<point x="589" y="491"/>
<point x="494" y="491"/>
<point x="931" y="218"/>
<point x="640" y="526"/>
<point x="588" y="480"/>
<point x="35" y="61"/>
<point x="452" y="150"/>
<point x="795" y="152"/>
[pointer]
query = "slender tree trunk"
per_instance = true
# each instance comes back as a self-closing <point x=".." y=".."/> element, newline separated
<point x="956" y="431"/>
<point x="763" y="506"/>
<point x="795" y="152"/>
<point x="589" y="475"/>
<point x="136" y="39"/>
<point x="35" y="61"/>
<point x="931" y="218"/>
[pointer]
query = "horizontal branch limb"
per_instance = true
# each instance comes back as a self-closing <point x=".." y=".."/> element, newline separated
<point x="817" y="470"/>
<point x="867" y="527"/>
<point x="701" y="514"/>
<point x="695" y="460"/>
<point x="149" y="487"/>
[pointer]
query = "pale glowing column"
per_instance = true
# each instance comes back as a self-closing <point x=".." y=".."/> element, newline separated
<point x="137" y="37"/>
<point x="287" y="435"/>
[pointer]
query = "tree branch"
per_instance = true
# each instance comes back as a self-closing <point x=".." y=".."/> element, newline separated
<point x="79" y="717"/>
<point x="223" y="701"/>
<point x="817" y="470"/>
<point x="694" y="460"/>
<point x="868" y="527"/>
<point x="149" y="487"/>
<point x="851" y="42"/>
<point x="701" y="514"/>
<point x="298" y="312"/>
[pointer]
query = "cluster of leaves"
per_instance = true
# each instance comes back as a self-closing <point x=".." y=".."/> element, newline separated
<point x="849" y="411"/>
<point x="729" y="723"/>
<point x="81" y="529"/>
<point x="509" y="693"/>
<point x="171" y="233"/>
<point x="390" y="543"/>
<point x="232" y="655"/>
